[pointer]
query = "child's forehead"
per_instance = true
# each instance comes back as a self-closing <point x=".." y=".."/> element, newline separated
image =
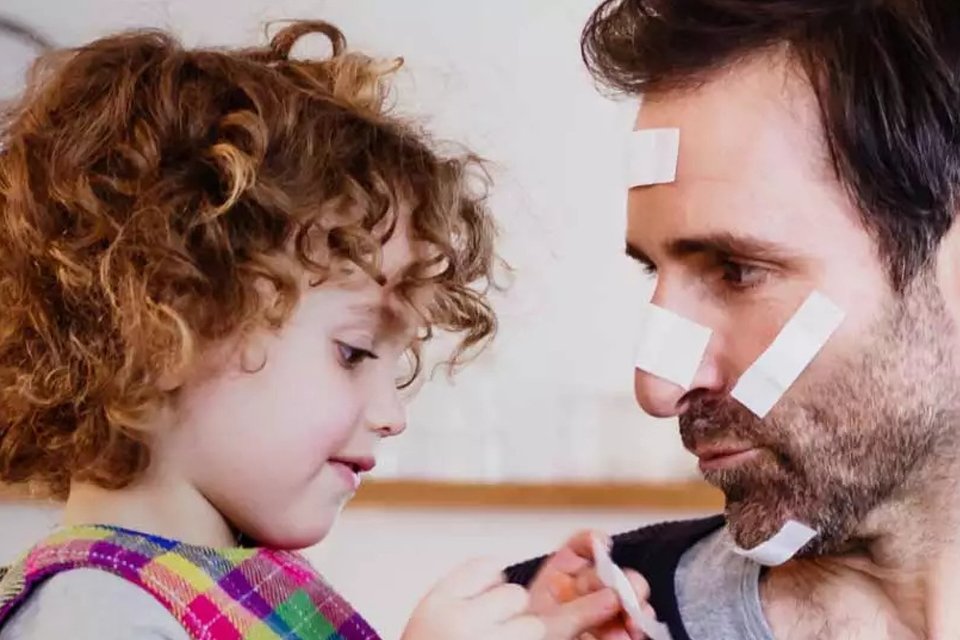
<point x="389" y="305"/>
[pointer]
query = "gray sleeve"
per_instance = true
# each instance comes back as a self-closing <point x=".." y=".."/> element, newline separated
<point x="87" y="604"/>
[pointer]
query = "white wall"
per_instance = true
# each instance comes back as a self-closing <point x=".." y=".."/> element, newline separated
<point x="553" y="397"/>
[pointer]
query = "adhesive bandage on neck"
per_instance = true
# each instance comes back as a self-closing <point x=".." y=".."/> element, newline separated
<point x="652" y="156"/>
<point x="792" y="537"/>
<point x="670" y="346"/>
<point x="802" y="337"/>
<point x="613" y="577"/>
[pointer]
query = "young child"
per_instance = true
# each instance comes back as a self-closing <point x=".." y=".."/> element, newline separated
<point x="213" y="267"/>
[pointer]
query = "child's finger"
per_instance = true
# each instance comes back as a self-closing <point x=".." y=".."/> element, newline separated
<point x="616" y="632"/>
<point x="555" y="582"/>
<point x="523" y="628"/>
<point x="587" y="581"/>
<point x="589" y="612"/>
<point x="566" y="561"/>
<point x="640" y="585"/>
<point x="648" y="609"/>
<point x="471" y="579"/>
<point x="582" y="543"/>
<point x="499" y="604"/>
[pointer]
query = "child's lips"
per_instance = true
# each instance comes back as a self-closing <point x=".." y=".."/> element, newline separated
<point x="358" y="464"/>
<point x="351" y="468"/>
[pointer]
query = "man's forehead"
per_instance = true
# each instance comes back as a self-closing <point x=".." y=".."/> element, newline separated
<point x="751" y="162"/>
<point x="759" y="116"/>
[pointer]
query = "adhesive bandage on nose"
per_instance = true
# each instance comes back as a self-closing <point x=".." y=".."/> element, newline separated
<point x="802" y="337"/>
<point x="792" y="537"/>
<point x="670" y="346"/>
<point x="652" y="156"/>
<point x="613" y="577"/>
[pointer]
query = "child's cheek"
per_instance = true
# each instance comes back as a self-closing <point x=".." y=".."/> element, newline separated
<point x="334" y="427"/>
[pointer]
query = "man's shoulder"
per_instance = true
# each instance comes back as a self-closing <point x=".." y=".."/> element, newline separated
<point x="657" y="542"/>
<point x="654" y="549"/>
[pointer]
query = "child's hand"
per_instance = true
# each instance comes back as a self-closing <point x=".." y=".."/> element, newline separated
<point x="475" y="603"/>
<point x="573" y="602"/>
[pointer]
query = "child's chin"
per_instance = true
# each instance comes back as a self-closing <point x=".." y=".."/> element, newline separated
<point x="294" y="536"/>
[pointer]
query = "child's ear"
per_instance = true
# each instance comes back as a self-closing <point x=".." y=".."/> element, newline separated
<point x="171" y="380"/>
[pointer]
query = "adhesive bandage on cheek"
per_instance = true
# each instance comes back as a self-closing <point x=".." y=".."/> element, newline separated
<point x="652" y="156"/>
<point x="788" y="542"/>
<point x="802" y="337"/>
<point x="670" y="346"/>
<point x="614" y="578"/>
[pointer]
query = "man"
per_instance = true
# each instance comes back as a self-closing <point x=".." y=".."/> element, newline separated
<point x="819" y="151"/>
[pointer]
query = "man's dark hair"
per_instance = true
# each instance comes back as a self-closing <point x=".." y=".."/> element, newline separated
<point x="886" y="74"/>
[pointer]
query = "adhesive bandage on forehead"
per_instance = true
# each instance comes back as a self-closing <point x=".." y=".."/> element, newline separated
<point x="614" y="578"/>
<point x="800" y="340"/>
<point x="652" y="156"/>
<point x="670" y="346"/>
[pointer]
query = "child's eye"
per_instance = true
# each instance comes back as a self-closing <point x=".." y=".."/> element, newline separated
<point x="351" y="357"/>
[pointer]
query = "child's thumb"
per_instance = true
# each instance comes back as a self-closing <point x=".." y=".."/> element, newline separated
<point x="471" y="579"/>
<point x="580" y="615"/>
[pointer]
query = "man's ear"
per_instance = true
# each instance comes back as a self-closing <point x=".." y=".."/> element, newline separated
<point x="948" y="271"/>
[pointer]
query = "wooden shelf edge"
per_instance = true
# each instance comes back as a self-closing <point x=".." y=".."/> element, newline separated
<point x="689" y="496"/>
<point x="692" y="496"/>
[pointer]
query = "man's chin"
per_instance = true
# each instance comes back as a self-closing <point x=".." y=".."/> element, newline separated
<point x="752" y="523"/>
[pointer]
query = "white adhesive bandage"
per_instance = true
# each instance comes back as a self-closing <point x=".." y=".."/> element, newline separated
<point x="652" y="156"/>
<point x="767" y="379"/>
<point x="670" y="346"/>
<point x="613" y="577"/>
<point x="791" y="538"/>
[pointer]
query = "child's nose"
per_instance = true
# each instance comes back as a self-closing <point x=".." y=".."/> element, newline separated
<point x="387" y="415"/>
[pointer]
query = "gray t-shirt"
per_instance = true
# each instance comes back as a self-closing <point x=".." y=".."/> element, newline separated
<point x="89" y="604"/>
<point x="718" y="592"/>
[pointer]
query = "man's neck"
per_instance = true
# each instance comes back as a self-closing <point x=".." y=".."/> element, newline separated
<point x="901" y="580"/>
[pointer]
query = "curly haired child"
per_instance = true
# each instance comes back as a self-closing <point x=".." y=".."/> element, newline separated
<point x="217" y="268"/>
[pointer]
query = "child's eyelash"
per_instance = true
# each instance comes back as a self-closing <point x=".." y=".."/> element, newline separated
<point x="351" y="356"/>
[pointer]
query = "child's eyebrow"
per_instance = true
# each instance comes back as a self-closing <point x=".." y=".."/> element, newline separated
<point x="386" y="318"/>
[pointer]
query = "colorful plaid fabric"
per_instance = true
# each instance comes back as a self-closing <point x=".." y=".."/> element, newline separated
<point x="216" y="594"/>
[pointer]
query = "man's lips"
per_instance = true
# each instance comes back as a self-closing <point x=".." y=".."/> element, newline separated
<point x="724" y="456"/>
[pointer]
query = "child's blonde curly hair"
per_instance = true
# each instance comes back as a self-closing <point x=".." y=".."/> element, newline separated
<point x="147" y="192"/>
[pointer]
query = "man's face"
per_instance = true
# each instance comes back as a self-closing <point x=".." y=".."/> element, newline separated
<point x="754" y="223"/>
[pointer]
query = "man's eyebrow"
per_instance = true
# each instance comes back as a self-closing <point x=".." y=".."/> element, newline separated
<point x="718" y="243"/>
<point x="635" y="253"/>
<point x="730" y="244"/>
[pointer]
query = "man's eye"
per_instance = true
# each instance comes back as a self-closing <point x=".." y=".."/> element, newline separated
<point x="742" y="276"/>
<point x="351" y="356"/>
